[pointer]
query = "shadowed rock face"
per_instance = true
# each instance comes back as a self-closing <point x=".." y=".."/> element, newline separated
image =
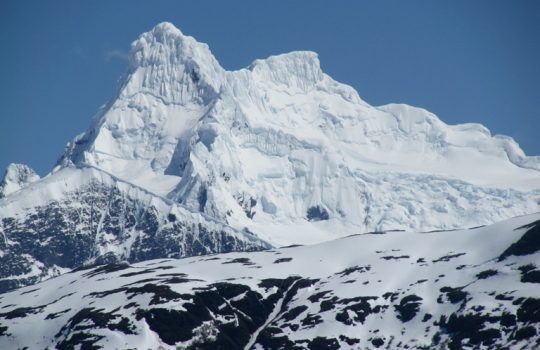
<point x="297" y="298"/>
<point x="101" y="223"/>
<point x="529" y="243"/>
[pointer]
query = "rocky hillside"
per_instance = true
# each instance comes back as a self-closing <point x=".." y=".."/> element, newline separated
<point x="468" y="289"/>
<point x="82" y="216"/>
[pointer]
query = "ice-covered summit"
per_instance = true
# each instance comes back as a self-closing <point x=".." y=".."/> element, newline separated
<point x="16" y="177"/>
<point x="283" y="149"/>
<point x="295" y="70"/>
<point x="166" y="63"/>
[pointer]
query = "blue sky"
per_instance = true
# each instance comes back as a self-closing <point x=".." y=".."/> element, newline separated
<point x="466" y="61"/>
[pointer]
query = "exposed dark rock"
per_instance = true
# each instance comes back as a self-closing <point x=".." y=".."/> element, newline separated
<point x="311" y="320"/>
<point x="503" y="297"/>
<point x="321" y="343"/>
<point x="377" y="342"/>
<point x="359" y="307"/>
<point x="395" y="257"/>
<point x="349" y="341"/>
<point x="3" y="330"/>
<point x="486" y="274"/>
<point x="528" y="243"/>
<point x="80" y="340"/>
<point x="99" y="269"/>
<point x="294" y="313"/>
<point x="244" y="261"/>
<point x="173" y="326"/>
<point x="78" y="331"/>
<point x="350" y="270"/>
<point x="408" y="307"/>
<point x="448" y="257"/>
<point x="525" y="333"/>
<point x="21" y="312"/>
<point x="328" y="304"/>
<point x="314" y="298"/>
<point x="317" y="213"/>
<point x="529" y="274"/>
<point x="529" y="311"/>
<point x="427" y="317"/>
<point x="390" y="295"/>
<point x="454" y="295"/>
<point x="160" y="293"/>
<point x="247" y="204"/>
<point x="508" y="320"/>
<point x="56" y="314"/>
<point x="273" y="338"/>
<point x="471" y="327"/>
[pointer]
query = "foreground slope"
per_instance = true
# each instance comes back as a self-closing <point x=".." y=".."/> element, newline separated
<point x="297" y="157"/>
<point x="474" y="288"/>
<point x="79" y="216"/>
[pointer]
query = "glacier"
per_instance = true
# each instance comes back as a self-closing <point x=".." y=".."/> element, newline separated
<point x="262" y="147"/>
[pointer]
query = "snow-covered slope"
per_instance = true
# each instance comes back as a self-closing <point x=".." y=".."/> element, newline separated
<point x="16" y="177"/>
<point x="469" y="289"/>
<point x="79" y="216"/>
<point x="295" y="156"/>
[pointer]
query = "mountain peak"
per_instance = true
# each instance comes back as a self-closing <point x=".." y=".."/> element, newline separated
<point x="16" y="177"/>
<point x="299" y="69"/>
<point x="153" y="46"/>
<point x="283" y="140"/>
<point x="164" y="62"/>
<point x="167" y="27"/>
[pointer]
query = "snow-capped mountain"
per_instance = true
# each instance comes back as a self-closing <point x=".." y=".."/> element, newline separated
<point x="189" y="158"/>
<point x="468" y="289"/>
<point x="280" y="145"/>
<point x="16" y="177"/>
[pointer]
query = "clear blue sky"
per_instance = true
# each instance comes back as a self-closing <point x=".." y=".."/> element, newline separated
<point x="466" y="61"/>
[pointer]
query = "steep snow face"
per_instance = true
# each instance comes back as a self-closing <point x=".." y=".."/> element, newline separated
<point x="16" y="177"/>
<point x="285" y="150"/>
<point x="469" y="289"/>
<point x="171" y="83"/>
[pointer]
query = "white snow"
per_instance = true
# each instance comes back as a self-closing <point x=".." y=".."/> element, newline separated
<point x="476" y="250"/>
<point x="16" y="177"/>
<point x="290" y="137"/>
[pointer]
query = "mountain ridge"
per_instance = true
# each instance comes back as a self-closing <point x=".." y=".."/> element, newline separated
<point x="80" y="216"/>
<point x="472" y="288"/>
<point x="284" y="136"/>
